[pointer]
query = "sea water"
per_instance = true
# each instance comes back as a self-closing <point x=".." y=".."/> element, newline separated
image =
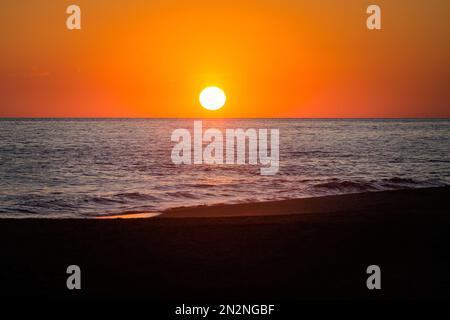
<point x="97" y="167"/>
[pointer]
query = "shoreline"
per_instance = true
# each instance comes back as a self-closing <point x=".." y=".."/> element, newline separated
<point x="308" y="205"/>
<point x="246" y="209"/>
<point x="312" y="248"/>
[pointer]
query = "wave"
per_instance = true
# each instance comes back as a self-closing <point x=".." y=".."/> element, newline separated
<point x="346" y="186"/>
<point x="182" y="195"/>
<point x="121" y="198"/>
<point x="191" y="194"/>
<point x="135" y="196"/>
<point x="343" y="186"/>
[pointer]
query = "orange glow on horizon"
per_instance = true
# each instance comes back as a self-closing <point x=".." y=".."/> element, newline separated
<point x="274" y="58"/>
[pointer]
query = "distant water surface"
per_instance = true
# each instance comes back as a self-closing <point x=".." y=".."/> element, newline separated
<point x="95" y="167"/>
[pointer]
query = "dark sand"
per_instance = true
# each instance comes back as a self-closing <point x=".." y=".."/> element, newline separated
<point x="306" y="248"/>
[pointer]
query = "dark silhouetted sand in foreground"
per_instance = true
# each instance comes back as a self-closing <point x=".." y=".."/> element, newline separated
<point x="305" y="248"/>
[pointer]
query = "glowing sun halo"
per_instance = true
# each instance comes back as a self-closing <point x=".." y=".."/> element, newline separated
<point x="212" y="98"/>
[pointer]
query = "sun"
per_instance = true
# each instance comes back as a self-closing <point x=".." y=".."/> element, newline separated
<point x="212" y="98"/>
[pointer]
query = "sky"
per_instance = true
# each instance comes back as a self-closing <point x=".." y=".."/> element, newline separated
<point x="278" y="58"/>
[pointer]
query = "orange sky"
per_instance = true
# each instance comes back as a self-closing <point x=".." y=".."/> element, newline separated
<point x="278" y="58"/>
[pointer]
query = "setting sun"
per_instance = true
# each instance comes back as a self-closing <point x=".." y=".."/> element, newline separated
<point x="212" y="98"/>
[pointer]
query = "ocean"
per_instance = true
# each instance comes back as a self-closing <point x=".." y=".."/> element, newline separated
<point x="85" y="168"/>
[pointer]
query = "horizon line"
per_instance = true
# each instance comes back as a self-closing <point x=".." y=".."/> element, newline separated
<point x="231" y="118"/>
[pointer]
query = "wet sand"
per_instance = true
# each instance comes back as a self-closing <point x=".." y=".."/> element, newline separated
<point x="293" y="249"/>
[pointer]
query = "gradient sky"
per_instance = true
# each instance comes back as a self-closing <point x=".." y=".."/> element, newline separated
<point x="278" y="58"/>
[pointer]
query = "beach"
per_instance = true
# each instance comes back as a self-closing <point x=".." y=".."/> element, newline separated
<point x="293" y="249"/>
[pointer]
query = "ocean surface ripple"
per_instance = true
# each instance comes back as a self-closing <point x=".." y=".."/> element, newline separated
<point x="95" y="167"/>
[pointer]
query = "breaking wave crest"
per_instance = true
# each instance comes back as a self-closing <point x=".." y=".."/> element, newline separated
<point x="394" y="183"/>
